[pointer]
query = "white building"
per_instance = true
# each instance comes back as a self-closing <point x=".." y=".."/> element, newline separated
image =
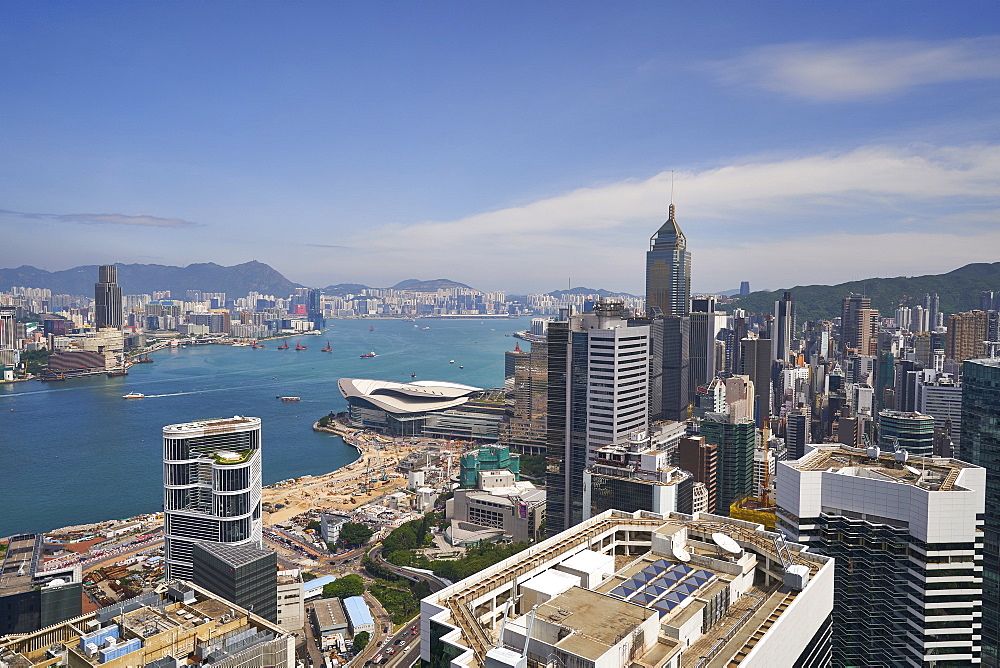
<point x="211" y="487"/>
<point x="941" y="398"/>
<point x="291" y="601"/>
<point x="907" y="537"/>
<point x="688" y="590"/>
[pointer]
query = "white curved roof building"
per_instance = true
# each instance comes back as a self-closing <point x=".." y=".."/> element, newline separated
<point x="424" y="407"/>
<point x="400" y="398"/>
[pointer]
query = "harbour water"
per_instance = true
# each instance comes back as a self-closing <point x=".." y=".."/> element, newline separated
<point x="75" y="452"/>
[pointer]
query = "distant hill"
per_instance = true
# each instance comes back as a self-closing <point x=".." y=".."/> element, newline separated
<point x="416" y="285"/>
<point x="342" y="289"/>
<point x="959" y="291"/>
<point x="136" y="279"/>
<point x="590" y="291"/>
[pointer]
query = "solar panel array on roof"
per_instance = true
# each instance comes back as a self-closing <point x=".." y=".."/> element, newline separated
<point x="662" y="585"/>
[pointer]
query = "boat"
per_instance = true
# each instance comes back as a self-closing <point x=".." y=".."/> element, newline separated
<point x="117" y="372"/>
<point x="461" y="366"/>
<point x="328" y="349"/>
<point x="256" y="345"/>
<point x="290" y="398"/>
<point x="299" y="346"/>
<point x="425" y="328"/>
<point x="451" y="361"/>
<point x="367" y="355"/>
<point x="284" y="346"/>
<point x="143" y="359"/>
<point x="371" y="329"/>
<point x="134" y="395"/>
<point x="413" y="375"/>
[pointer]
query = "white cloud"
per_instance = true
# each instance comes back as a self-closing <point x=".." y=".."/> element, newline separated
<point x="139" y="220"/>
<point x="821" y="72"/>
<point x="774" y="222"/>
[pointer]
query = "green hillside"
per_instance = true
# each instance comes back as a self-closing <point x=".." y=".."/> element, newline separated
<point x="959" y="291"/>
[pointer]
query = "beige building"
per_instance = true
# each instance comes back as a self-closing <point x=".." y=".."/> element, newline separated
<point x="498" y="507"/>
<point x="291" y="604"/>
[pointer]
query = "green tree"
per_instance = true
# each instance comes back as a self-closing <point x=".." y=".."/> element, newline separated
<point x="361" y="641"/>
<point x="345" y="587"/>
<point x="354" y="533"/>
<point x="314" y="525"/>
<point x="34" y="361"/>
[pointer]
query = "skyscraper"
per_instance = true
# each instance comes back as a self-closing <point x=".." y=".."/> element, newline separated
<point x="784" y="328"/>
<point x="604" y="388"/>
<point x="211" y="487"/>
<point x="8" y="327"/>
<point x="736" y="441"/>
<point x="967" y="333"/>
<point x="670" y="393"/>
<point x="980" y="444"/>
<point x="859" y="325"/>
<point x="668" y="271"/>
<point x="526" y="384"/>
<point x="906" y="537"/>
<point x="107" y="298"/>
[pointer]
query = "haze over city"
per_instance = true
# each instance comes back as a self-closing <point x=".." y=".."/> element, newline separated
<point x="511" y="147"/>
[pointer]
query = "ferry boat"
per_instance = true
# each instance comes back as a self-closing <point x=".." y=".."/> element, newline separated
<point x="134" y="395"/>
<point x="290" y="398"/>
<point x="451" y="361"/>
<point x="367" y="355"/>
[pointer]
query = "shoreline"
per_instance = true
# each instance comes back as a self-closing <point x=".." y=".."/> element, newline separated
<point x="295" y="487"/>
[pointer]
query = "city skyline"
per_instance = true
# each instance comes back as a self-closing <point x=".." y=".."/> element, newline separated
<point x="517" y="148"/>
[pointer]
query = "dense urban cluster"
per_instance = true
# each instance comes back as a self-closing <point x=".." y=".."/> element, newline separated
<point x="734" y="488"/>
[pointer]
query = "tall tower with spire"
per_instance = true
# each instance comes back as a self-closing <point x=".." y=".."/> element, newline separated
<point x="668" y="271"/>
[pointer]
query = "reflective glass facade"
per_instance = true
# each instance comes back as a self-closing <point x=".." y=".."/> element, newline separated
<point x="980" y="444"/>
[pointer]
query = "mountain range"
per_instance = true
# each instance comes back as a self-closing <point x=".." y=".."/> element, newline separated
<point x="137" y="279"/>
<point x="959" y="291"/>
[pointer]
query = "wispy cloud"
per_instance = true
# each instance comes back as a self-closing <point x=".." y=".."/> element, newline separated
<point x="325" y="246"/>
<point x="827" y="205"/>
<point x="140" y="220"/>
<point x="821" y="72"/>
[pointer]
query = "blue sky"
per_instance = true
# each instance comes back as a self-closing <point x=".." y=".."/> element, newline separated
<point x="515" y="145"/>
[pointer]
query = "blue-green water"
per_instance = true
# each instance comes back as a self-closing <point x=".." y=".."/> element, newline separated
<point x="75" y="452"/>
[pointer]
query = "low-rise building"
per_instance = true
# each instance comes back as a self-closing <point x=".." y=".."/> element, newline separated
<point x="498" y="507"/>
<point x="329" y="622"/>
<point x="163" y="629"/>
<point x="359" y="617"/>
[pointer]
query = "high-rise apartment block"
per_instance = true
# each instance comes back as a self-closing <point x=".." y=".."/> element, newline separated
<point x="598" y="394"/>
<point x="668" y="271"/>
<point x="859" y="326"/>
<point x="967" y="333"/>
<point x="107" y="298"/>
<point x="755" y="362"/>
<point x="212" y="487"/>
<point x="906" y="535"/>
<point x="980" y="444"/>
